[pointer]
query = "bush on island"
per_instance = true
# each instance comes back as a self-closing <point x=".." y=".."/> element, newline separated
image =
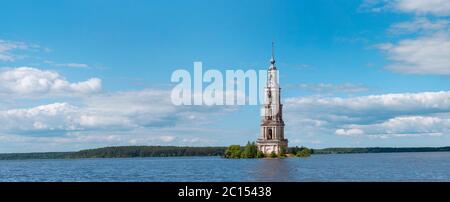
<point x="260" y="154"/>
<point x="283" y="152"/>
<point x="233" y="151"/>
<point x="249" y="151"/>
<point x="300" y="151"/>
<point x="273" y="155"/>
<point x="304" y="153"/>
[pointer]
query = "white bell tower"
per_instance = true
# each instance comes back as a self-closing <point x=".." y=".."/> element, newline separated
<point x="272" y="124"/>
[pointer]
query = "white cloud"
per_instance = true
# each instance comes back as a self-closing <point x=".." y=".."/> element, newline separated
<point x="117" y="111"/>
<point x="401" y="103"/>
<point x="435" y="7"/>
<point x="421" y="24"/>
<point x="376" y="115"/>
<point x="424" y="55"/>
<point x="28" y="81"/>
<point x="404" y="126"/>
<point x="6" y="48"/>
<point x="56" y="117"/>
<point x="71" y="64"/>
<point x="334" y="88"/>
<point x="418" y="7"/>
<point x="374" y="5"/>
<point x="75" y="65"/>
<point x="414" y="125"/>
<point x="349" y="132"/>
<point x="429" y="51"/>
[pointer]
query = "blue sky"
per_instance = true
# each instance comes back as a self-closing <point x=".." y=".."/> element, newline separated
<point x="83" y="74"/>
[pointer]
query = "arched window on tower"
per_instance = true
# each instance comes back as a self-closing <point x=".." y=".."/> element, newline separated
<point x="269" y="135"/>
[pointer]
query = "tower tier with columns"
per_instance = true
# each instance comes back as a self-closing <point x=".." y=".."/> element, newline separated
<point x="272" y="124"/>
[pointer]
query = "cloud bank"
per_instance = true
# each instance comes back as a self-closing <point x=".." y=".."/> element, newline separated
<point x="435" y="7"/>
<point x="383" y="116"/>
<point x="426" y="50"/>
<point x="28" y="81"/>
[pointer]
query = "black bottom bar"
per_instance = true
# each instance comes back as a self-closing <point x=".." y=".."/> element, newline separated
<point x="227" y="191"/>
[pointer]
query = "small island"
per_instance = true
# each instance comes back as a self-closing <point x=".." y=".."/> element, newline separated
<point x="251" y="151"/>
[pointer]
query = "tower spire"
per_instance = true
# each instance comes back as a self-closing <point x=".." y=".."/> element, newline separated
<point x="272" y="60"/>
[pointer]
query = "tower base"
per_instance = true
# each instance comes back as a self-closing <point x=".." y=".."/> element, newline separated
<point x="269" y="146"/>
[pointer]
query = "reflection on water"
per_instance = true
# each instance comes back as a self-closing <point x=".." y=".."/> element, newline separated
<point x="272" y="170"/>
<point x="433" y="166"/>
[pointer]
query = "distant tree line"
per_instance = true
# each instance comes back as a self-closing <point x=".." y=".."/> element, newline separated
<point x="234" y="151"/>
<point x="378" y="150"/>
<point x="37" y="155"/>
<point x="121" y="152"/>
<point x="147" y="151"/>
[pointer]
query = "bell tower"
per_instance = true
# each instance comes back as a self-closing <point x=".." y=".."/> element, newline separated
<point x="272" y="125"/>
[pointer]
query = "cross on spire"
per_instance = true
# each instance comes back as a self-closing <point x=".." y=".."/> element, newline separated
<point x="273" y="53"/>
<point x="272" y="60"/>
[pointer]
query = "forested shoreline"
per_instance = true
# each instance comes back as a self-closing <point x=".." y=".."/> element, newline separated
<point x="343" y="150"/>
<point x="173" y="151"/>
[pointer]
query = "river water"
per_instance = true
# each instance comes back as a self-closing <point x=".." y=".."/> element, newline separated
<point x="430" y="166"/>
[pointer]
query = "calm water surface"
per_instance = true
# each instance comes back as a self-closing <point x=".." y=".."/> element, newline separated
<point x="432" y="166"/>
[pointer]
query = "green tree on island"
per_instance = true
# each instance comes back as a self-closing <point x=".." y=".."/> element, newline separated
<point x="304" y="153"/>
<point x="249" y="151"/>
<point x="282" y="152"/>
<point x="233" y="151"/>
<point x="260" y="154"/>
<point x="273" y="155"/>
<point x="300" y="152"/>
